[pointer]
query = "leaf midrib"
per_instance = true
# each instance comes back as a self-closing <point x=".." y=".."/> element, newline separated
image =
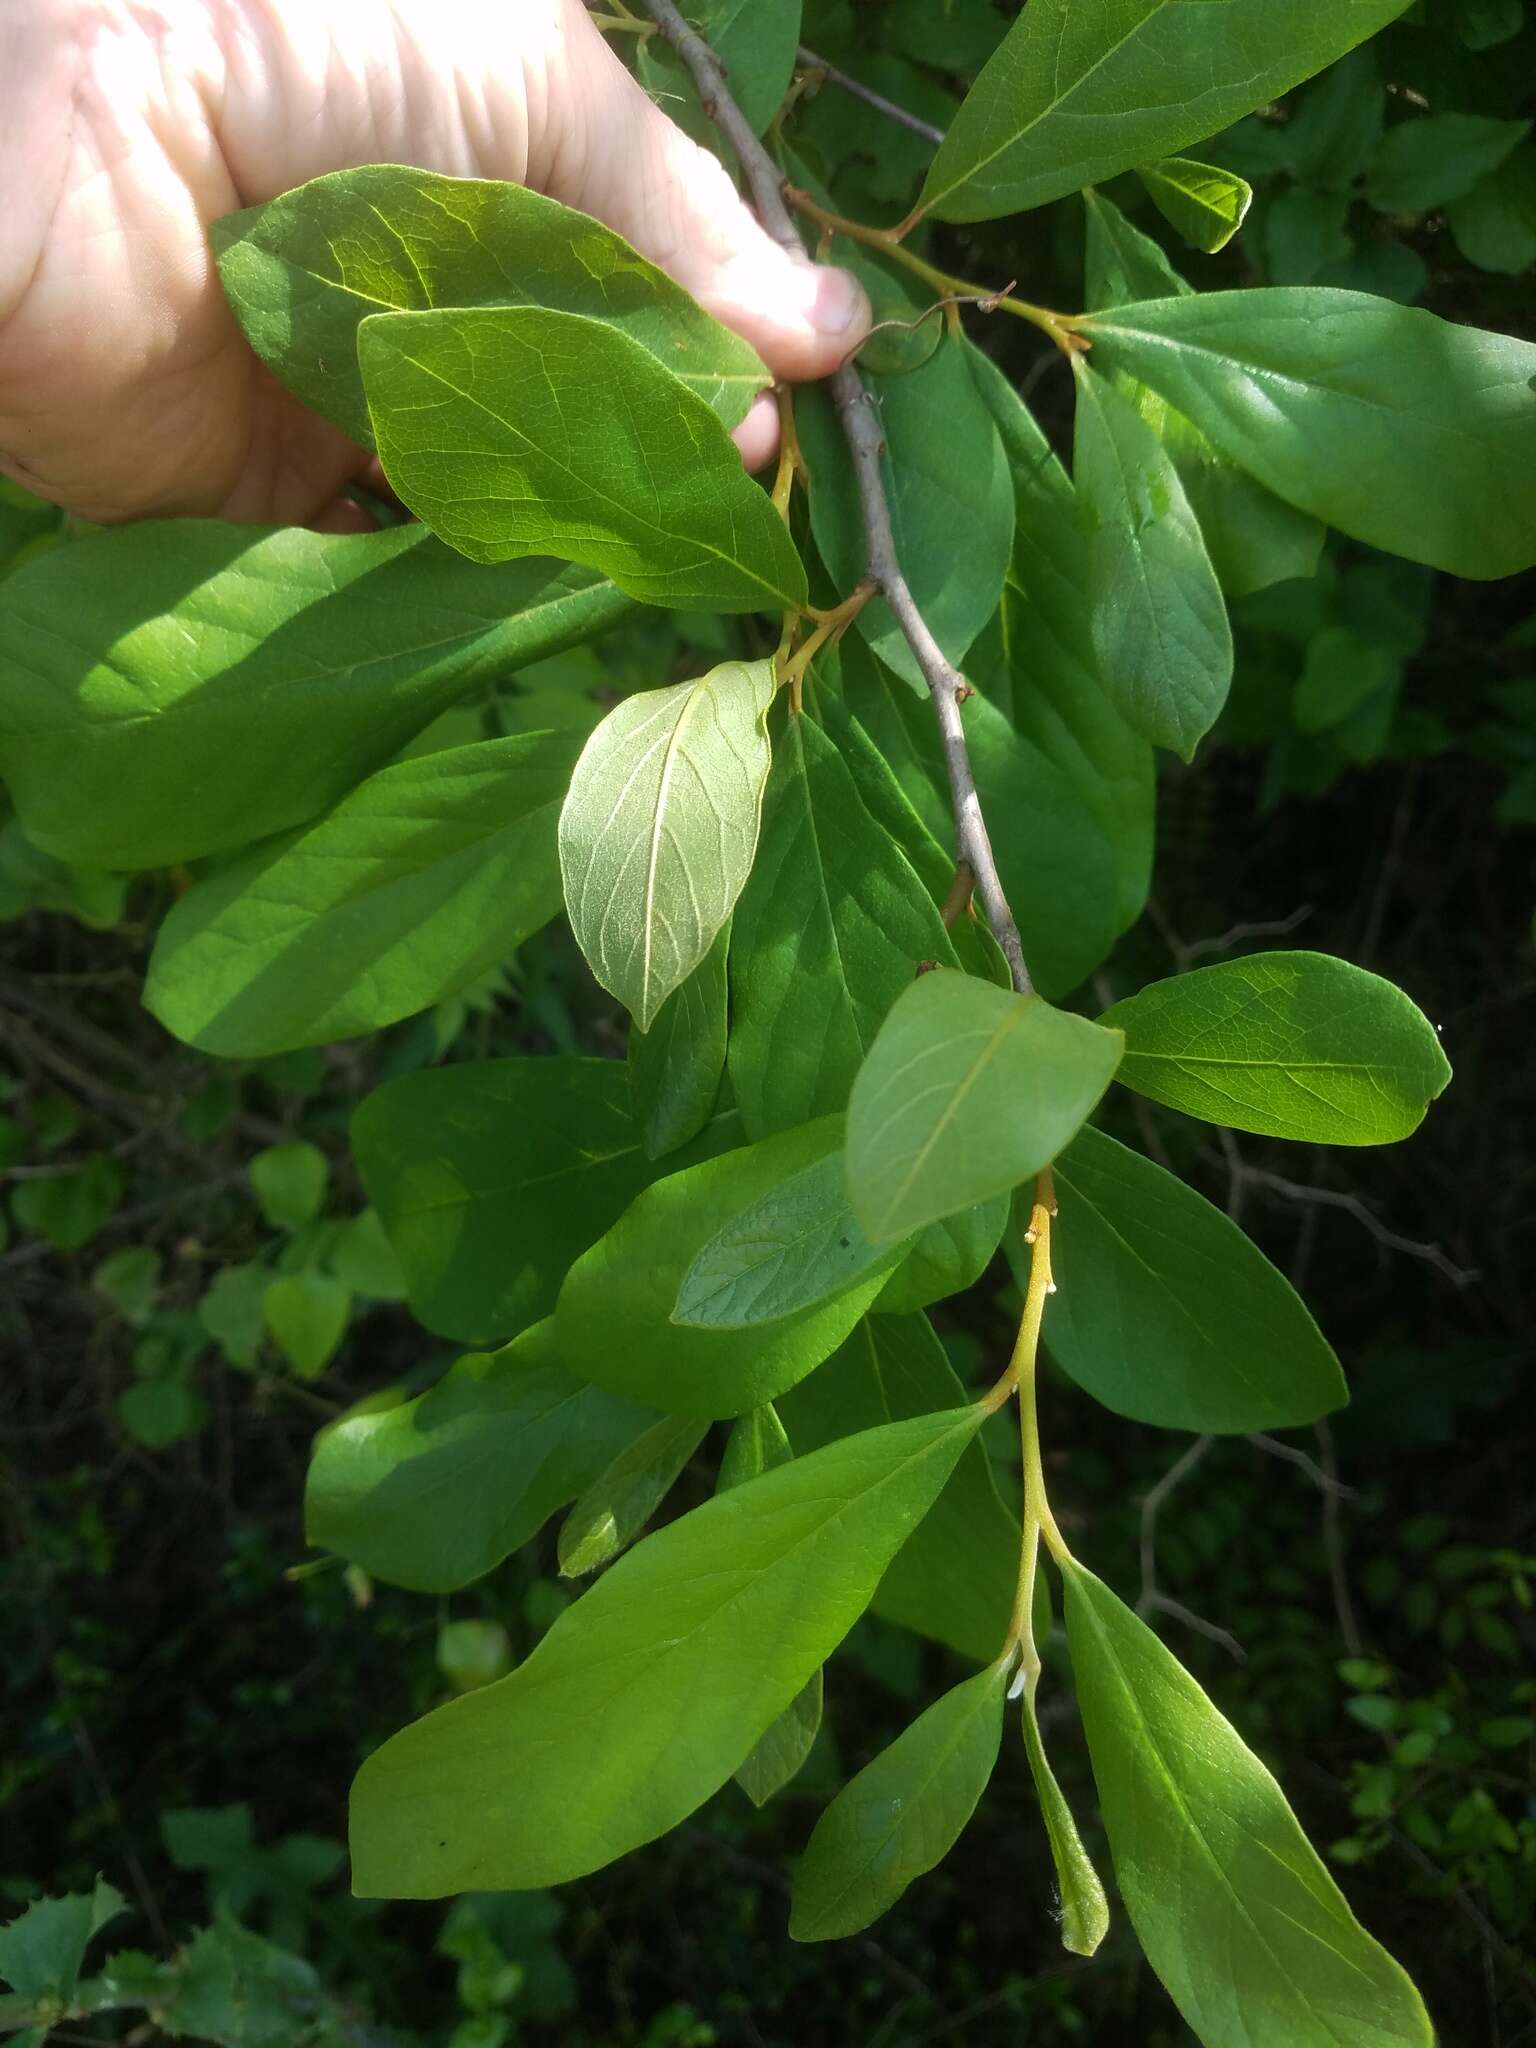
<point x="973" y="174"/>
<point x="1176" y="1798"/>
<point x="629" y="514"/>
<point x="1009" y="1022"/>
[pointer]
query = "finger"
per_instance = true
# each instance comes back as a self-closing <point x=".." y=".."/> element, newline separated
<point x="758" y="434"/>
<point x="345" y="515"/>
<point x="596" y="142"/>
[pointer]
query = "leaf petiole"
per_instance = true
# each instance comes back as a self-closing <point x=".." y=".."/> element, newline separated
<point x="955" y="289"/>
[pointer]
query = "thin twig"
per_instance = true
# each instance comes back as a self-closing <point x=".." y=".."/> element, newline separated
<point x="986" y="301"/>
<point x="1151" y="1600"/>
<point x="1333" y="1541"/>
<point x="861" y="426"/>
<point x="1187" y="951"/>
<point x="870" y="97"/>
<point x="1324" y="1482"/>
<point x="1243" y="1175"/>
<point x="1164" y="1603"/>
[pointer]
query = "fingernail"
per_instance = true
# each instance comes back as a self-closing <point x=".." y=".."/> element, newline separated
<point x="840" y="305"/>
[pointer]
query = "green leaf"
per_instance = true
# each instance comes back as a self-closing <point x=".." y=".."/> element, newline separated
<point x="628" y="1282"/>
<point x="234" y="1987"/>
<point x="491" y="1178"/>
<point x="363" y="1259"/>
<point x="231" y="1311"/>
<point x="1084" y="1908"/>
<point x="473" y="1653"/>
<point x="1205" y="204"/>
<point x="948" y="1257"/>
<point x="672" y="1668"/>
<point x="27" y="524"/>
<point x="675" y="1068"/>
<point x="792" y="1248"/>
<point x="160" y="1412"/>
<point x="754" y="39"/>
<point x="1074" y="95"/>
<point x="660" y="826"/>
<point x="784" y="1746"/>
<point x="130" y="1280"/>
<point x="1433" y="159"/>
<point x="290" y="1182"/>
<point x="902" y="1814"/>
<point x="1253" y="1940"/>
<point x="69" y="1208"/>
<point x="1166" y="1312"/>
<point x="623" y="1497"/>
<point x="757" y="1442"/>
<point x="418" y="882"/>
<point x="1038" y="664"/>
<point x="305" y="270"/>
<point x="954" y="1578"/>
<point x="519" y="431"/>
<point x="1157" y="614"/>
<point x="1305" y="233"/>
<point x="182" y="687"/>
<point x="1495" y="225"/>
<point x="830" y="929"/>
<point x="1341" y="672"/>
<point x="1290" y="1045"/>
<point x="1121" y="264"/>
<point x="41" y="1951"/>
<point x="945" y="474"/>
<point x="1336" y="124"/>
<point x="432" y="1493"/>
<point x="1484" y="24"/>
<point x="1396" y="427"/>
<point x="1058" y="870"/>
<point x="1253" y="538"/>
<point x="306" y="1314"/>
<point x="967" y="1091"/>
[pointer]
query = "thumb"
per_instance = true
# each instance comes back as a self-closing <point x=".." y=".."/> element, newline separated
<point x="597" y="142"/>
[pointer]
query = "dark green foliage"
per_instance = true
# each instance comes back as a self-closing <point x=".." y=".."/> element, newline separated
<point x="831" y="1093"/>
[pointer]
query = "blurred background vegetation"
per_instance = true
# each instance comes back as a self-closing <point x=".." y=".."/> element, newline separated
<point x="185" y="1701"/>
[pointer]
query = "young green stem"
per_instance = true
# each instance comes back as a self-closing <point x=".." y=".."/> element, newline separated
<point x="1037" y="1519"/>
<point x="888" y="241"/>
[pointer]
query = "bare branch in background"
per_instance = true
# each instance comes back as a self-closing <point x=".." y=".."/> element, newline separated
<point x="871" y="98"/>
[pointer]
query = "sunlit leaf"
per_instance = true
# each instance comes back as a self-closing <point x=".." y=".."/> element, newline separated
<point x="306" y="269"/>
<point x="1075" y="94"/>
<point x="659" y="829"/>
<point x="902" y="1814"/>
<point x="672" y="1667"/>
<point x="1206" y="204"/>
<point x="1398" y="428"/>
<point x="622" y="1498"/>
<point x="1234" y="1908"/>
<point x="615" y="1313"/>
<point x="967" y="1091"/>
<point x="178" y="688"/>
<point x="1291" y="1045"/>
<point x="418" y="881"/>
<point x="519" y="431"/>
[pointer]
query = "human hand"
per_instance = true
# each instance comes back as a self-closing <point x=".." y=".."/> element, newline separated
<point x="126" y="387"/>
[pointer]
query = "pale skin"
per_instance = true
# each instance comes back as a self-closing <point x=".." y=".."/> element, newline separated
<point x="126" y="389"/>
